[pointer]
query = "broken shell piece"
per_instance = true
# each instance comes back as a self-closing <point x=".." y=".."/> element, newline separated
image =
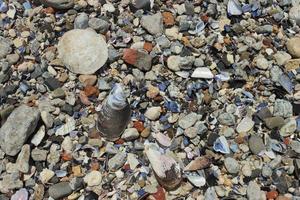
<point x="202" y="72"/>
<point x="196" y="179"/>
<point x="234" y="8"/>
<point x="167" y="171"/>
<point x="221" y="145"/>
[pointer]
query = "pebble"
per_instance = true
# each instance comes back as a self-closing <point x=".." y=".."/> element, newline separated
<point x="153" y="23"/>
<point x="293" y="47"/>
<point x="226" y="119"/>
<point x="283" y="108"/>
<point x="137" y="58"/>
<point x="81" y="21"/>
<point x="130" y="134"/>
<point x="60" y="190"/>
<point x="93" y="178"/>
<point x="231" y="165"/>
<point x="288" y="128"/>
<point x="245" y="125"/>
<point x="46" y="175"/>
<point x="14" y="135"/>
<point x="294" y="15"/>
<point x="153" y="113"/>
<point x="99" y="25"/>
<point x="188" y="120"/>
<point x="39" y="154"/>
<point x="70" y="51"/>
<point x="253" y="191"/>
<point x="256" y="144"/>
<point x="23" y="159"/>
<point x="5" y="47"/>
<point x="58" y="4"/>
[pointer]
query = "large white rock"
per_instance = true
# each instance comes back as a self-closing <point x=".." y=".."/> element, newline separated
<point x="82" y="51"/>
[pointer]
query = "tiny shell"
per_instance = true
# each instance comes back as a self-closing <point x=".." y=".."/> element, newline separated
<point x="196" y="179"/>
<point x="202" y="72"/>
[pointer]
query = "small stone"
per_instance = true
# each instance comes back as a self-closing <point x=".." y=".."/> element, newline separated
<point x="282" y="57"/>
<point x="288" y="128"/>
<point x="226" y="119"/>
<point x="23" y="159"/>
<point x="5" y="47"/>
<point x="245" y="125"/>
<point x="47" y="119"/>
<point x="46" y="175"/>
<point x="262" y="62"/>
<point x="188" y="120"/>
<point x="99" y="25"/>
<point x="130" y="134"/>
<point x="202" y="72"/>
<point x="52" y="83"/>
<point x="58" y="4"/>
<point x="191" y="132"/>
<point x="293" y="46"/>
<point x="81" y="21"/>
<point x="93" y="178"/>
<point x="168" y="18"/>
<point x="60" y="190"/>
<point x="39" y="154"/>
<point x="137" y="58"/>
<point x="84" y="56"/>
<point x="153" y="113"/>
<point x="256" y="144"/>
<point x="132" y="160"/>
<point x="88" y="80"/>
<point x="253" y="191"/>
<point x="274" y="122"/>
<point x="294" y="14"/>
<point x="246" y="170"/>
<point x="146" y="132"/>
<point x="58" y="93"/>
<point x="117" y="161"/>
<point x="176" y="63"/>
<point x="232" y="165"/>
<point x="283" y="108"/>
<point x="21" y="194"/>
<point x="13" y="135"/>
<point x="153" y="23"/>
<point x="295" y="145"/>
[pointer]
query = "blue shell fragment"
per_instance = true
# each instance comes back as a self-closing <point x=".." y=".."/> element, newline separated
<point x="27" y="5"/>
<point x="234" y="8"/>
<point x="221" y="145"/>
<point x="286" y="83"/>
<point x="172" y="106"/>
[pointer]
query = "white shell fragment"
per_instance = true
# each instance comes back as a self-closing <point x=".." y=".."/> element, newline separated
<point x="202" y="72"/>
<point x="234" y="8"/>
<point x="196" y="179"/>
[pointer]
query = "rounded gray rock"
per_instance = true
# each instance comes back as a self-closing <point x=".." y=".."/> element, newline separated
<point x="232" y="165"/>
<point x="58" y="4"/>
<point x="82" y="51"/>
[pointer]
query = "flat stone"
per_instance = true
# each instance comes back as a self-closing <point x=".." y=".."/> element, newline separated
<point x="256" y="144"/>
<point x="153" y="23"/>
<point x="93" y="178"/>
<point x="288" y="128"/>
<point x="226" y="119"/>
<point x="283" y="108"/>
<point x="176" y="63"/>
<point x="46" y="175"/>
<point x="52" y="83"/>
<point x="39" y="154"/>
<point x="81" y="21"/>
<point x="5" y="47"/>
<point x="293" y="46"/>
<point x="23" y="159"/>
<point x="99" y="25"/>
<point x="13" y="135"/>
<point x="58" y="93"/>
<point x="60" y="190"/>
<point x="84" y="56"/>
<point x="231" y="165"/>
<point x="88" y="80"/>
<point x="282" y="57"/>
<point x="253" y="191"/>
<point x="47" y="118"/>
<point x="130" y="134"/>
<point x="188" y="120"/>
<point x="58" y="4"/>
<point x="153" y="113"/>
<point x="137" y="58"/>
<point x="245" y="125"/>
<point x="294" y="14"/>
<point x="274" y="122"/>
